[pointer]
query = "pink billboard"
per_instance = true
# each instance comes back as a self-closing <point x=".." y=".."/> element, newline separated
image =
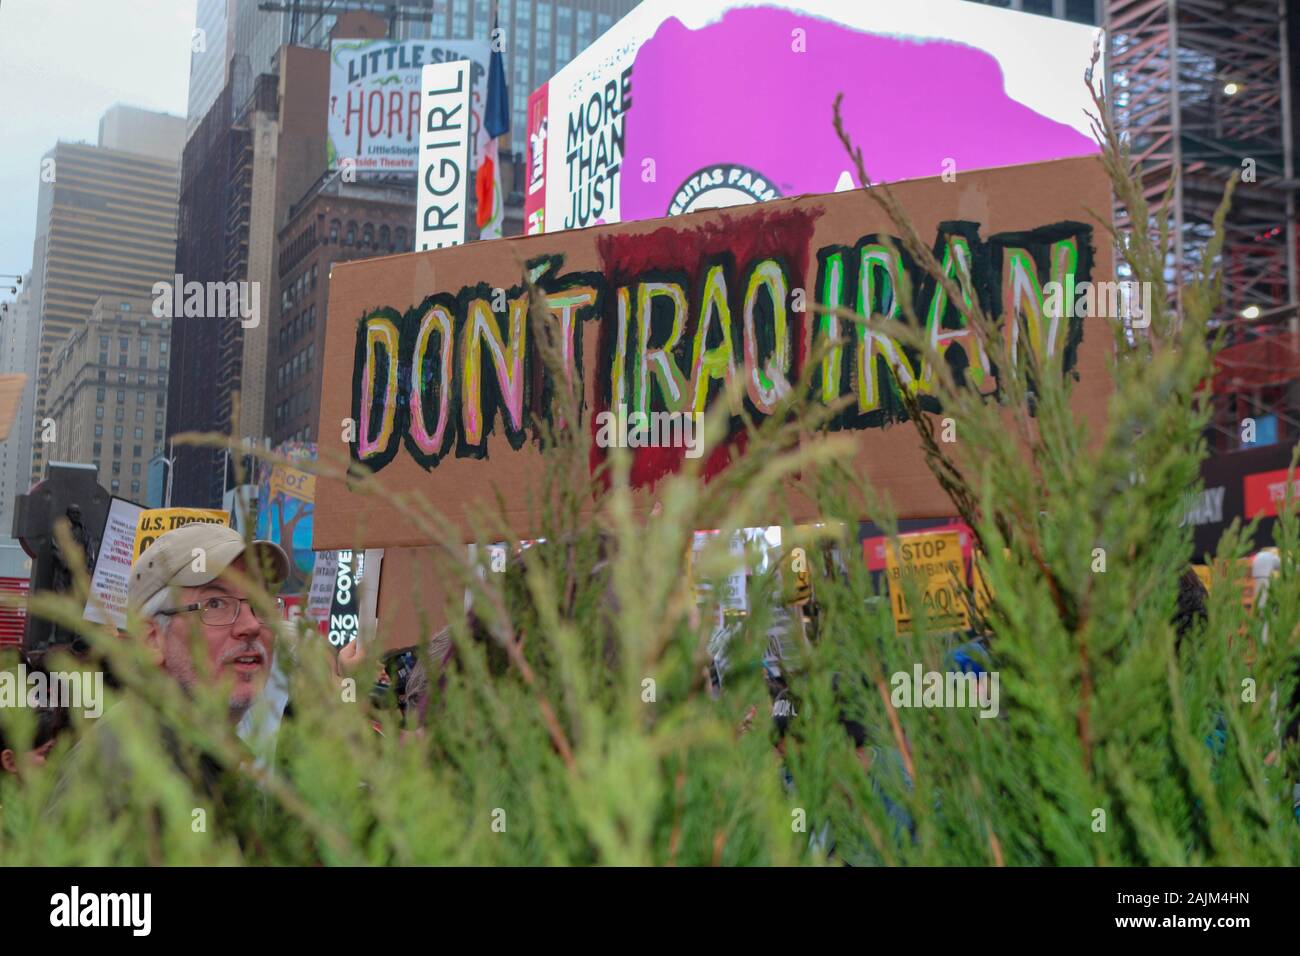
<point x="693" y="104"/>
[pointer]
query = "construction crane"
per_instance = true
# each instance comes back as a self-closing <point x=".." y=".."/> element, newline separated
<point x="392" y="10"/>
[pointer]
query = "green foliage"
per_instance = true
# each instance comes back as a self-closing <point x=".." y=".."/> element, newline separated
<point x="1114" y="744"/>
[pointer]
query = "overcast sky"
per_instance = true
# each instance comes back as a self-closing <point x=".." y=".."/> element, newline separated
<point x="62" y="64"/>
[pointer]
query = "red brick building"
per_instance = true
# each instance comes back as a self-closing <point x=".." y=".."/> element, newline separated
<point x="334" y="222"/>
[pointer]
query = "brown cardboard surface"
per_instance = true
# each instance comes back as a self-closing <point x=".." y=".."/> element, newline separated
<point x="997" y="201"/>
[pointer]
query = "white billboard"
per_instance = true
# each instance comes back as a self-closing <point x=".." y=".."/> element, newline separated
<point x="444" y="156"/>
<point x="691" y="104"/>
<point x="374" y="105"/>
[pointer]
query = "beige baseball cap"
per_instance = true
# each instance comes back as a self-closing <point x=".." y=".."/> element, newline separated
<point x="169" y="561"/>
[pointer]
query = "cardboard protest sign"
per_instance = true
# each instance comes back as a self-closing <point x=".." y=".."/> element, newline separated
<point x="428" y="355"/>
<point x="158" y="521"/>
<point x="933" y="561"/>
<point x="112" y="578"/>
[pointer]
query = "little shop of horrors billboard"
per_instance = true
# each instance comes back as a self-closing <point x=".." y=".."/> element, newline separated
<point x="696" y="104"/>
<point x="431" y="357"/>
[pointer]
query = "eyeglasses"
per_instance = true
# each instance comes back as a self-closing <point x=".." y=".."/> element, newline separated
<point x="221" y="611"/>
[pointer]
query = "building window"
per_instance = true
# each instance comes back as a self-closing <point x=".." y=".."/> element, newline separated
<point x="401" y="239"/>
<point x="162" y="348"/>
<point x="99" y="449"/>
<point x="117" y="431"/>
<point x="120" y="414"/>
<point x="103" y="376"/>
<point x="103" y="343"/>
<point x="139" y="398"/>
<point x="385" y="238"/>
<point x="157" y="434"/>
<point x="334" y="231"/>
<point x="103" y="358"/>
<point x="99" y="431"/>
<point x="117" y="449"/>
<point x="121" y="360"/>
<point x="367" y="236"/>
<point x="121" y="378"/>
<point x="124" y="344"/>
<point x="100" y="394"/>
<point x="99" y="411"/>
<point x="135" y="487"/>
<point x="139" y="433"/>
<point x="313" y="277"/>
<point x="135" y="468"/>
<point x="161" y="399"/>
<point x="136" y="449"/>
<point x="116" y="484"/>
<point x="139" y="414"/>
<point x="157" y="418"/>
<point x="351" y="238"/>
<point x="117" y="467"/>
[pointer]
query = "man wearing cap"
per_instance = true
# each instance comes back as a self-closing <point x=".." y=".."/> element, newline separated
<point x="199" y="577"/>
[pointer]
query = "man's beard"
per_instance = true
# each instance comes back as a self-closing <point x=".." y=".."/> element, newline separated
<point x="238" y="708"/>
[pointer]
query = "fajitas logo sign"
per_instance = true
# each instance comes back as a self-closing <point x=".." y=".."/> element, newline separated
<point x="683" y="311"/>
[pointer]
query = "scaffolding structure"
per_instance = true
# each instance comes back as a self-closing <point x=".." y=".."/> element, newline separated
<point x="1201" y="89"/>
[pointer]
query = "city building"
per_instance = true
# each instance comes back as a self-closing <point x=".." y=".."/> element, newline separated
<point x="16" y="327"/>
<point x="105" y="226"/>
<point x="334" y="222"/>
<point x="210" y="51"/>
<point x="108" y="389"/>
<point x="258" y="150"/>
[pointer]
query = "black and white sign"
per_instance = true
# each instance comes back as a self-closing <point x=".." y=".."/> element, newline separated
<point x="444" y="155"/>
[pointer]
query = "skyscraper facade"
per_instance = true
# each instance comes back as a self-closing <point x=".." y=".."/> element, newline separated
<point x="16" y="326"/>
<point x="106" y="226"/>
<point x="210" y="50"/>
<point x="107" y="400"/>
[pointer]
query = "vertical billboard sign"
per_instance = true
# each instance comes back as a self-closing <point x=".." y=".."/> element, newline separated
<point x="535" y="194"/>
<point x="374" y="99"/>
<point x="444" y="156"/>
<point x="695" y="104"/>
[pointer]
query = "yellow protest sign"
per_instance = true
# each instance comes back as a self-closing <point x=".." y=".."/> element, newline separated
<point x="933" y="560"/>
<point x="293" y="482"/>
<point x="796" y="577"/>
<point x="979" y="586"/>
<point x="158" y="521"/>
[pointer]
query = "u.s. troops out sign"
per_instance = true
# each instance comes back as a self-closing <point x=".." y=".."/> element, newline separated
<point x="431" y="356"/>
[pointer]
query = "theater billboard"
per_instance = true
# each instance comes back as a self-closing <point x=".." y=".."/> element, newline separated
<point x="374" y="106"/>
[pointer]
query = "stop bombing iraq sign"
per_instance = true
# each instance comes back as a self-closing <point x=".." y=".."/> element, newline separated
<point x="429" y="354"/>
